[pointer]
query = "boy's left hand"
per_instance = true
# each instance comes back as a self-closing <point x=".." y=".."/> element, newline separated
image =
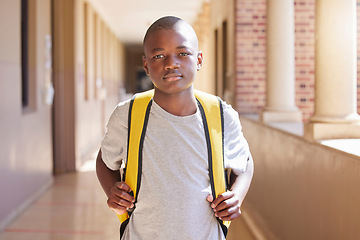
<point x="226" y="206"/>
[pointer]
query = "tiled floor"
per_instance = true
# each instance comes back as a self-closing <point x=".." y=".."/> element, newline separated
<point x="74" y="208"/>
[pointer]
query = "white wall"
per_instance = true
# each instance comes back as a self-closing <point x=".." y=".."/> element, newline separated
<point x="26" y="142"/>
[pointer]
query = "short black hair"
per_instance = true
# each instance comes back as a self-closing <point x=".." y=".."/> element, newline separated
<point x="166" y="23"/>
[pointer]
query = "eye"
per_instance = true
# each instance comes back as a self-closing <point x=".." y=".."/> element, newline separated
<point x="184" y="54"/>
<point x="158" y="56"/>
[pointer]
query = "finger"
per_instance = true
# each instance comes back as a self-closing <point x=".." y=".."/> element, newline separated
<point x="116" y="208"/>
<point x="222" y="197"/>
<point x="123" y="186"/>
<point x="231" y="217"/>
<point x="210" y="198"/>
<point x="126" y="196"/>
<point x="121" y="201"/>
<point x="125" y="203"/>
<point x="121" y="190"/>
<point x="229" y="214"/>
<point x="231" y="202"/>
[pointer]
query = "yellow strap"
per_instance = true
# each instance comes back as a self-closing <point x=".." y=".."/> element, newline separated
<point x="227" y="223"/>
<point x="138" y="111"/>
<point x="123" y="217"/>
<point x="211" y="107"/>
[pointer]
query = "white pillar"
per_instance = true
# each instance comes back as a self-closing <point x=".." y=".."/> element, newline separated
<point x="335" y="114"/>
<point x="280" y="102"/>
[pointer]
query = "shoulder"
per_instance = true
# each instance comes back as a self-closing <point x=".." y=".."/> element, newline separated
<point x="120" y="113"/>
<point x="231" y="118"/>
<point x="122" y="106"/>
<point x="229" y="111"/>
<point x="227" y="108"/>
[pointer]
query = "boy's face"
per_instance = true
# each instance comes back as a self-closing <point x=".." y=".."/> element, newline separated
<point x="172" y="59"/>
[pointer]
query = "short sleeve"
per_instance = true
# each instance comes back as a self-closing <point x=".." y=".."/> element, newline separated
<point x="114" y="143"/>
<point x="236" y="148"/>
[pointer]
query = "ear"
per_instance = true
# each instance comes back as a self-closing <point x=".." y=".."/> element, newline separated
<point x="145" y="66"/>
<point x="199" y="60"/>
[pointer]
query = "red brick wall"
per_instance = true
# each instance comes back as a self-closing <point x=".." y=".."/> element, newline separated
<point x="251" y="55"/>
<point x="250" y="60"/>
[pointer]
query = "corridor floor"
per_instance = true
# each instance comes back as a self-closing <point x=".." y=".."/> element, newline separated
<point x="74" y="208"/>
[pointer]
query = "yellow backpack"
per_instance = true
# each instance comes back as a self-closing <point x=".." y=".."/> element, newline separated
<point x="212" y="115"/>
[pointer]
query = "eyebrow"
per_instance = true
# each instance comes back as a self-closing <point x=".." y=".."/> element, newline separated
<point x="157" y="49"/>
<point x="181" y="47"/>
<point x="162" y="49"/>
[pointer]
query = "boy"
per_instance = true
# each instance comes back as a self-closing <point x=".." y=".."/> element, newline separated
<point x="175" y="200"/>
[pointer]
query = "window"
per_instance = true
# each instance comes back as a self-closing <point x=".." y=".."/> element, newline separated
<point x="216" y="64"/>
<point x="86" y="51"/>
<point x="24" y="54"/>
<point x="224" y="58"/>
<point x="28" y="55"/>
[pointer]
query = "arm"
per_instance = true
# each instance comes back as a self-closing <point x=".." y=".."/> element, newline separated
<point x="227" y="205"/>
<point x="119" y="199"/>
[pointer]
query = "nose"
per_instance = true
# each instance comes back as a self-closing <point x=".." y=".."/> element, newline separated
<point x="171" y="63"/>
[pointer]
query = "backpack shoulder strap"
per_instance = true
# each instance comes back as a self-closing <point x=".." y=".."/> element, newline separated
<point x="139" y="109"/>
<point x="210" y="107"/>
<point x="213" y="119"/>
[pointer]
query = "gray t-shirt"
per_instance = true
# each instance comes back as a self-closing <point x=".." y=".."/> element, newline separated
<point x="175" y="179"/>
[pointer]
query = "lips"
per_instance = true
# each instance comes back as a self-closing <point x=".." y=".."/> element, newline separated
<point x="172" y="77"/>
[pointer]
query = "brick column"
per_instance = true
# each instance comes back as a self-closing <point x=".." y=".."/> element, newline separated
<point x="280" y="102"/>
<point x="335" y="114"/>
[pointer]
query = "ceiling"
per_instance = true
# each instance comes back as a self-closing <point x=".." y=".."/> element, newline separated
<point x="129" y="19"/>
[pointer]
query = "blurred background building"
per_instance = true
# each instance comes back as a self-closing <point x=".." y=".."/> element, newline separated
<point x="289" y="67"/>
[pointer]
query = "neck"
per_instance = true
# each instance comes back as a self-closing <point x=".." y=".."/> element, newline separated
<point x="179" y="104"/>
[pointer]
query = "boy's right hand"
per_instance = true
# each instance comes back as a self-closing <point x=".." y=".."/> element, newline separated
<point x="120" y="199"/>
